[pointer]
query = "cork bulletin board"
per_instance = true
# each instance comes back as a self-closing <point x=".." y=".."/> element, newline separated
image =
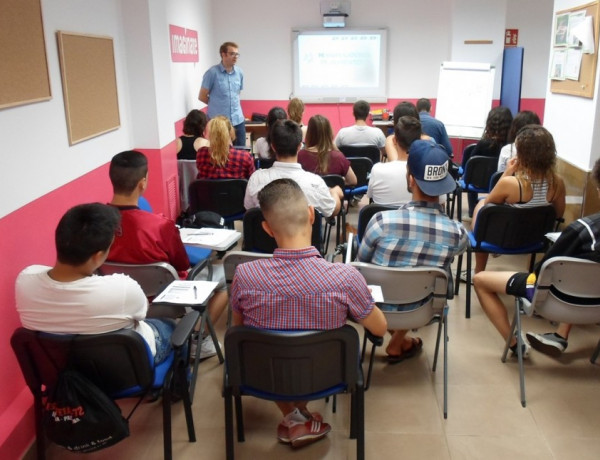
<point x="87" y="65"/>
<point x="24" y="69"/>
<point x="584" y="86"/>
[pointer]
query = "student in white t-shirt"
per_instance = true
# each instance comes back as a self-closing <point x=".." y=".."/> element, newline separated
<point x="360" y="133"/>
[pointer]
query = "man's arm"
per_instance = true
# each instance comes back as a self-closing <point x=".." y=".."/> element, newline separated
<point x="375" y="322"/>
<point x="203" y="96"/>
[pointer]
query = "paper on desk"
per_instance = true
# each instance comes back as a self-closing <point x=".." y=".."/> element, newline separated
<point x="186" y="292"/>
<point x="376" y="292"/>
<point x="212" y="238"/>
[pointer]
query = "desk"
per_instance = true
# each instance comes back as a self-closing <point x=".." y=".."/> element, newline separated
<point x="256" y="130"/>
<point x="384" y="125"/>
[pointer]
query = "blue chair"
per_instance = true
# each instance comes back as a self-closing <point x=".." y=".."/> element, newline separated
<point x="475" y="179"/>
<point x="362" y="169"/>
<point x="119" y="363"/>
<point x="505" y="229"/>
<point x="268" y="365"/>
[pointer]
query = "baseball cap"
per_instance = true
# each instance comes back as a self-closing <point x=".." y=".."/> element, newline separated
<point x="429" y="164"/>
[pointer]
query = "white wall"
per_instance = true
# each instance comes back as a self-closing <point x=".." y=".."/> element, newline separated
<point x="35" y="156"/>
<point x="572" y="119"/>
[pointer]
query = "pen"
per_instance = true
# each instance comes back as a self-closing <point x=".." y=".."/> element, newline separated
<point x="195" y="293"/>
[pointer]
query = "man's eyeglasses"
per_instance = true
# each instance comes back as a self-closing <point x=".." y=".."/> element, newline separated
<point x="233" y="54"/>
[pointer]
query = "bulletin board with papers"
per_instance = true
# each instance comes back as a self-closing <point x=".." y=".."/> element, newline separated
<point x="575" y="51"/>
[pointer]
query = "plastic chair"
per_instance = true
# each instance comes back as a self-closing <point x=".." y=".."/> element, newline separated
<point x="362" y="169"/>
<point x="333" y="180"/>
<point x="475" y="179"/>
<point x="425" y="286"/>
<point x="223" y="196"/>
<point x="506" y="229"/>
<point x="257" y="240"/>
<point x="371" y="152"/>
<point x="567" y="291"/>
<point x="119" y="362"/>
<point x="155" y="277"/>
<point x="268" y="365"/>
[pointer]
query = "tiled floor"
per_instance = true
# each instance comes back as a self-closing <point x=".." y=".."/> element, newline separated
<point x="404" y="404"/>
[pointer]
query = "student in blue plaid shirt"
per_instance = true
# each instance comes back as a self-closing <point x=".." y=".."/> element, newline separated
<point x="418" y="233"/>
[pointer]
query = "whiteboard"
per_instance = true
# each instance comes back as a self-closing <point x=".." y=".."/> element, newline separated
<point x="464" y="97"/>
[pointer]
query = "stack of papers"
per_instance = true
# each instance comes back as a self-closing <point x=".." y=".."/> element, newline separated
<point x="186" y="292"/>
<point x="376" y="292"/>
<point x="218" y="239"/>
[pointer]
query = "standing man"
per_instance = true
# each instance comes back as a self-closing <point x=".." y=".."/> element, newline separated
<point x="433" y="127"/>
<point x="220" y="90"/>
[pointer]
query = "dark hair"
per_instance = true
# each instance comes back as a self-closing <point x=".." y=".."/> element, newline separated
<point x="224" y="48"/>
<point x="361" y="110"/>
<point x="286" y="136"/>
<point x="406" y="131"/>
<point x="405" y="108"/>
<point x="596" y="172"/>
<point x="126" y="170"/>
<point x="536" y="151"/>
<point x="84" y="230"/>
<point x="286" y="190"/>
<point x="497" y="125"/>
<point x="423" y="104"/>
<point x="276" y="113"/>
<point x="525" y="117"/>
<point x="319" y="135"/>
<point x="195" y="123"/>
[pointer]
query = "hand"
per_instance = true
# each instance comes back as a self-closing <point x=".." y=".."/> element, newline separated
<point x="511" y="166"/>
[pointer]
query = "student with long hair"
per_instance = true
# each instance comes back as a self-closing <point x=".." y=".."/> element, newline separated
<point x="220" y="160"/>
<point x="263" y="146"/>
<point x="320" y="155"/>
<point x="193" y="135"/>
<point x="295" y="111"/>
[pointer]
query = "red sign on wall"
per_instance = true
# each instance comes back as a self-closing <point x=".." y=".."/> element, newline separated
<point x="184" y="44"/>
<point x="511" y="37"/>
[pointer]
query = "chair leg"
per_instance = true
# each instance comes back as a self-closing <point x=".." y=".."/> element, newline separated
<point x="239" y="419"/>
<point x="520" y="356"/>
<point x="228" y="397"/>
<point x="353" y="413"/>
<point x="166" y="403"/>
<point x="40" y="436"/>
<point x="437" y="342"/>
<point x="203" y="318"/>
<point x="596" y="353"/>
<point x="468" y="286"/>
<point x="457" y="277"/>
<point x="187" y="401"/>
<point x="359" y="415"/>
<point x="532" y="262"/>
<point x="445" y="319"/>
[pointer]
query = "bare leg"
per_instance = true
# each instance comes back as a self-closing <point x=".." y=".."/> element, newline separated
<point x="481" y="259"/>
<point x="216" y="305"/>
<point x="487" y="286"/>
<point x="564" y="329"/>
<point x="399" y="343"/>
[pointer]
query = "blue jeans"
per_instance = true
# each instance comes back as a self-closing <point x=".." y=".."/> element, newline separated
<point x="163" y="329"/>
<point x="240" y="134"/>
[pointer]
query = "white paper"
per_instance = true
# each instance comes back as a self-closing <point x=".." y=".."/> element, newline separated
<point x="552" y="236"/>
<point x="584" y="31"/>
<point x="186" y="292"/>
<point x="218" y="239"/>
<point x="574" y="20"/>
<point x="573" y="63"/>
<point x="376" y="292"/>
<point x="559" y="59"/>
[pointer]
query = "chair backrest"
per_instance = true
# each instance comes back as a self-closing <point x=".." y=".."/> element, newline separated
<point x="262" y="163"/>
<point x="283" y="365"/>
<point x="365" y="215"/>
<point x="362" y="169"/>
<point x="234" y="258"/>
<point x="144" y="204"/>
<point x="153" y="278"/>
<point x="257" y="240"/>
<point x="187" y="172"/>
<point x="334" y="179"/>
<point x="568" y="291"/>
<point x="119" y="363"/>
<point x="223" y="196"/>
<point x="409" y="285"/>
<point x="513" y="227"/>
<point x="371" y="152"/>
<point x="479" y="170"/>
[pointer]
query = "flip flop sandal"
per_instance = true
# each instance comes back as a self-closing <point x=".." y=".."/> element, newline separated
<point x="417" y="345"/>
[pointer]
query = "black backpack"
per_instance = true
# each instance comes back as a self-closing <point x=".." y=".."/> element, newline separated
<point x="79" y="416"/>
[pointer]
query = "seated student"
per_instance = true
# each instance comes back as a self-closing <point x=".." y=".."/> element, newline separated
<point x="220" y="160"/>
<point x="297" y="289"/>
<point x="418" y="233"/>
<point x="580" y="239"/>
<point x="360" y="133"/>
<point x="525" y="117"/>
<point x="387" y="184"/>
<point x="193" y="135"/>
<point x="295" y="110"/>
<point x="287" y="140"/>
<point x="402" y="109"/>
<point x="70" y="299"/>
<point x="320" y="155"/>
<point x="145" y="238"/>
<point x="529" y="180"/>
<point x="433" y="127"/>
<point x="263" y="144"/>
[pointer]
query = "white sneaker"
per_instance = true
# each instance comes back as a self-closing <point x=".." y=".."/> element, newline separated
<point x="526" y="348"/>
<point x="463" y="275"/>
<point x="207" y="348"/>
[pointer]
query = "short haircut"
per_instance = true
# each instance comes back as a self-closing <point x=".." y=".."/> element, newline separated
<point x="295" y="109"/>
<point x="84" y="230"/>
<point x="126" y="170"/>
<point x="225" y="47"/>
<point x="282" y="202"/>
<point x="286" y="136"/>
<point x="405" y="108"/>
<point x="423" y="105"/>
<point x="407" y="130"/>
<point x="596" y="172"/>
<point x="195" y="123"/>
<point x="361" y="110"/>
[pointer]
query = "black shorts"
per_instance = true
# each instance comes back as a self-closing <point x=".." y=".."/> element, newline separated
<point x="517" y="285"/>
